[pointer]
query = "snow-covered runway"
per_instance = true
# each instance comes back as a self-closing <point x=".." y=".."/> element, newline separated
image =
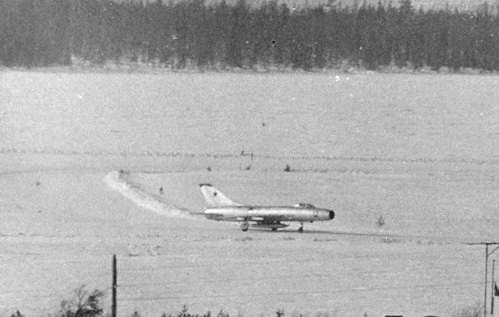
<point x="425" y="160"/>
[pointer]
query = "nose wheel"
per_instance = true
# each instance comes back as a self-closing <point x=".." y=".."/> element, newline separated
<point x="245" y="226"/>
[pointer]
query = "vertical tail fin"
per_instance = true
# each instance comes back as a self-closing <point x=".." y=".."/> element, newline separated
<point x="215" y="198"/>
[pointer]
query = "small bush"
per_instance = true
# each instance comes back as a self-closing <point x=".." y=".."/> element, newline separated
<point x="183" y="312"/>
<point x="16" y="314"/>
<point x="380" y="222"/>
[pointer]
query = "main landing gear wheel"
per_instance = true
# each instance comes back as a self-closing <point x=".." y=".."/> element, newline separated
<point x="245" y="226"/>
<point x="301" y="227"/>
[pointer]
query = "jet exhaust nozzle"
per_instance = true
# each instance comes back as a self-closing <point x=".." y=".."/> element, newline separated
<point x="331" y="214"/>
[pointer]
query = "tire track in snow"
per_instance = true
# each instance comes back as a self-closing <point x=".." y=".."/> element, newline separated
<point x="116" y="181"/>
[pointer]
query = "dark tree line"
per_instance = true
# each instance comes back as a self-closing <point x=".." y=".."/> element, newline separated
<point x="194" y="34"/>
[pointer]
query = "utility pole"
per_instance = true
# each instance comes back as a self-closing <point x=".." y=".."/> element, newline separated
<point x="487" y="254"/>
<point x="114" y="287"/>
<point x="492" y="293"/>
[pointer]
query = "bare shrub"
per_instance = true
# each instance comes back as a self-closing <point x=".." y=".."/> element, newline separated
<point x="221" y="313"/>
<point x="83" y="303"/>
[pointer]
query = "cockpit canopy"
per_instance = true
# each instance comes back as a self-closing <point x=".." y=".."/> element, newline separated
<point x="305" y="205"/>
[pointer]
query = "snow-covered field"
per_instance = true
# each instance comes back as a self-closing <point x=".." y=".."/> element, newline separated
<point x="421" y="151"/>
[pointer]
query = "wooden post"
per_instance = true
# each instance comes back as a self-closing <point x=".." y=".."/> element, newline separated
<point x="114" y="287"/>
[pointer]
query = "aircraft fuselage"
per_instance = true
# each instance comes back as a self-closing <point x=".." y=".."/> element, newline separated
<point x="277" y="213"/>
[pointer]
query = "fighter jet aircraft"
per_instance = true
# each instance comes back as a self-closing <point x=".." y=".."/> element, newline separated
<point x="221" y="208"/>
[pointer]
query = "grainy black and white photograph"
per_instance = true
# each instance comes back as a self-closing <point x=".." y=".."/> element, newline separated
<point x="239" y="158"/>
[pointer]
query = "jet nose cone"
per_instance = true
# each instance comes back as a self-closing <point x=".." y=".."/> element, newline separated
<point x="331" y="214"/>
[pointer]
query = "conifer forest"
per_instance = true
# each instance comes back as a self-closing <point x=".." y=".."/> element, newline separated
<point x="194" y="34"/>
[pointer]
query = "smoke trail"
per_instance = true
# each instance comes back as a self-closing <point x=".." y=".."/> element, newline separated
<point x="116" y="181"/>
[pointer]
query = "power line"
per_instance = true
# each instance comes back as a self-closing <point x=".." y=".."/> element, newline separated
<point x="282" y="277"/>
<point x="367" y="289"/>
<point x="204" y="264"/>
